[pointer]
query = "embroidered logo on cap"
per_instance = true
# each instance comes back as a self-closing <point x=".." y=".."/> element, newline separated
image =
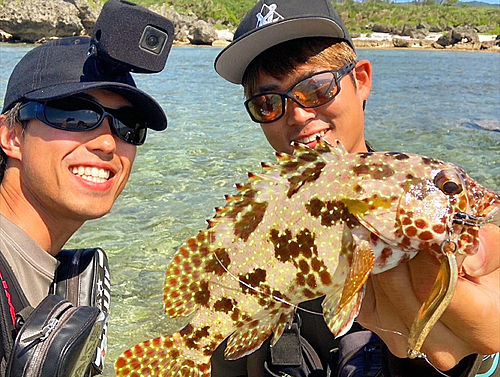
<point x="268" y="15"/>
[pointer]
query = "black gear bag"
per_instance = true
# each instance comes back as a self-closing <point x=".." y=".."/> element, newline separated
<point x="65" y="335"/>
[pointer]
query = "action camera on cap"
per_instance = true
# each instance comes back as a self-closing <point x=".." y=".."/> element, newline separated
<point x="129" y="38"/>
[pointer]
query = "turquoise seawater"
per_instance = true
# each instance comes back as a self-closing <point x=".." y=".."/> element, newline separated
<point x="438" y="103"/>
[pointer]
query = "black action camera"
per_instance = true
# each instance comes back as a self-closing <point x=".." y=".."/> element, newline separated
<point x="129" y="38"/>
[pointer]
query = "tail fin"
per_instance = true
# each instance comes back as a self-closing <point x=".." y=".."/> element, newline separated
<point x="164" y="356"/>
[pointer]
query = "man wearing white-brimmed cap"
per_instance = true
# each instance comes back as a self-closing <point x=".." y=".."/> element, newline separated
<point x="302" y="79"/>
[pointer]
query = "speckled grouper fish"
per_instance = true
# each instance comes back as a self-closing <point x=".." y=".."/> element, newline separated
<point x="317" y="223"/>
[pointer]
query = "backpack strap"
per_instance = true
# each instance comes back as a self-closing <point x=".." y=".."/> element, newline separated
<point x="12" y="300"/>
<point x="293" y="355"/>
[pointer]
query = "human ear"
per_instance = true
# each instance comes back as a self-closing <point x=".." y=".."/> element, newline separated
<point x="363" y="75"/>
<point x="10" y="138"/>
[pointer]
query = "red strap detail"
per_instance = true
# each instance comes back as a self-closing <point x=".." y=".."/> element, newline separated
<point x="7" y="294"/>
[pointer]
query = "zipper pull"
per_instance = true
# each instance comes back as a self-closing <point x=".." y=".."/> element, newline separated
<point x="44" y="332"/>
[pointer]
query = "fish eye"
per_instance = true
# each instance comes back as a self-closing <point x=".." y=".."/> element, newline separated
<point x="448" y="182"/>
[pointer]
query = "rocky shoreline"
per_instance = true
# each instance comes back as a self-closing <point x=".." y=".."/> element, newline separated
<point x="59" y="18"/>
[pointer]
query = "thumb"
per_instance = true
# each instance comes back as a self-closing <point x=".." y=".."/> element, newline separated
<point x="487" y="258"/>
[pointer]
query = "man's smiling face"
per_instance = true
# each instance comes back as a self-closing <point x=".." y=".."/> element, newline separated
<point x="340" y="119"/>
<point x="76" y="175"/>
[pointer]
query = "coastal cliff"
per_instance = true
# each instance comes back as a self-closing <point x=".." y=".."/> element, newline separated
<point x="35" y="21"/>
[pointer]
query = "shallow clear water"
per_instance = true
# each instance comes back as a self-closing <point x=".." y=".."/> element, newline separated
<point x="438" y="103"/>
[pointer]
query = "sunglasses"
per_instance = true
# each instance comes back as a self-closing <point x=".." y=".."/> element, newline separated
<point x="77" y="114"/>
<point x="313" y="91"/>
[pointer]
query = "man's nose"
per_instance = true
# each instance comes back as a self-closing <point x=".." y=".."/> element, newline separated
<point x="104" y="138"/>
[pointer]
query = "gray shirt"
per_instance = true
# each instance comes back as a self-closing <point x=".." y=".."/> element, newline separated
<point x="33" y="267"/>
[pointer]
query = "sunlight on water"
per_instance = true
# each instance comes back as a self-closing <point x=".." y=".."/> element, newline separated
<point x="424" y="102"/>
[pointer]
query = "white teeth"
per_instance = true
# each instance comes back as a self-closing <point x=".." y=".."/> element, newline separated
<point x="92" y="174"/>
<point x="308" y="139"/>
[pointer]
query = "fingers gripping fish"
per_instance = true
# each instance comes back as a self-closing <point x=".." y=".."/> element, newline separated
<point x="315" y="224"/>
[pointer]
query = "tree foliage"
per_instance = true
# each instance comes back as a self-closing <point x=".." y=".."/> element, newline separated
<point x="357" y="15"/>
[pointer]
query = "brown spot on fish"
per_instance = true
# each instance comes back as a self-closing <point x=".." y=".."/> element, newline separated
<point x="203" y="294"/>
<point x="290" y="166"/>
<point x="429" y="161"/>
<point x="235" y="314"/>
<point x="365" y="154"/>
<point x="316" y="264"/>
<point x="425" y="236"/>
<point x="382" y="172"/>
<point x="287" y="249"/>
<point x="314" y="207"/>
<point x="253" y="279"/>
<point x="330" y="212"/>
<point x="250" y="220"/>
<point x="384" y="255"/>
<point x="300" y="279"/>
<point x="308" y="293"/>
<point x="224" y="305"/>
<point x="186" y="330"/>
<point x="308" y="175"/>
<point x="406" y="221"/>
<point x="325" y="278"/>
<point x="311" y="281"/>
<point x="192" y="244"/>
<point x="358" y="189"/>
<point x="219" y="263"/>
<point x="304" y="266"/>
<point x="361" y="169"/>
<point x="421" y="224"/>
<point x="439" y="228"/>
<point x="308" y="157"/>
<point x="411" y="231"/>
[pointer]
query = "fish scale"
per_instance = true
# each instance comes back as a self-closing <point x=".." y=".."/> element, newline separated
<point x="317" y="223"/>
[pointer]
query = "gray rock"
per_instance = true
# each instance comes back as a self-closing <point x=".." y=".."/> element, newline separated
<point x="402" y="42"/>
<point x="419" y="34"/>
<point x="465" y="34"/>
<point x="203" y="33"/>
<point x="444" y="40"/>
<point x="397" y="30"/>
<point x="183" y="23"/>
<point x="88" y="13"/>
<point x="435" y="29"/>
<point x="378" y="28"/>
<point x="408" y="30"/>
<point x="55" y="18"/>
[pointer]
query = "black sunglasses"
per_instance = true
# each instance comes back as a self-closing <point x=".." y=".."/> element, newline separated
<point x="75" y="113"/>
<point x="313" y="91"/>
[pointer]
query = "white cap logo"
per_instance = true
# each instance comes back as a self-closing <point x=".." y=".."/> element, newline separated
<point x="268" y="15"/>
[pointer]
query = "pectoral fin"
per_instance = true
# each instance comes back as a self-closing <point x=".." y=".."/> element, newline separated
<point x="340" y="317"/>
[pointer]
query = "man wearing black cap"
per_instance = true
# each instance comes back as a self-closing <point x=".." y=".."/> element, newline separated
<point x="301" y="77"/>
<point x="68" y="140"/>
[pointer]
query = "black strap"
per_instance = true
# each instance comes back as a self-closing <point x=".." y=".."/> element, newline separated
<point x="13" y="298"/>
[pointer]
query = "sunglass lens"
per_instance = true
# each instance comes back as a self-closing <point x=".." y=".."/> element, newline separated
<point x="130" y="126"/>
<point x="315" y="90"/>
<point x="72" y="113"/>
<point x="266" y="108"/>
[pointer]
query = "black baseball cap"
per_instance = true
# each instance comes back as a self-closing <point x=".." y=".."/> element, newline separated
<point x="272" y="22"/>
<point x="56" y="69"/>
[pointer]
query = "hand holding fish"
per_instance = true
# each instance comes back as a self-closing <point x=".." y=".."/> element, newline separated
<point x="394" y="296"/>
<point x="318" y="223"/>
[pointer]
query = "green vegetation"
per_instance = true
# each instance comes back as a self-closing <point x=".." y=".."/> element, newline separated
<point x="356" y="15"/>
